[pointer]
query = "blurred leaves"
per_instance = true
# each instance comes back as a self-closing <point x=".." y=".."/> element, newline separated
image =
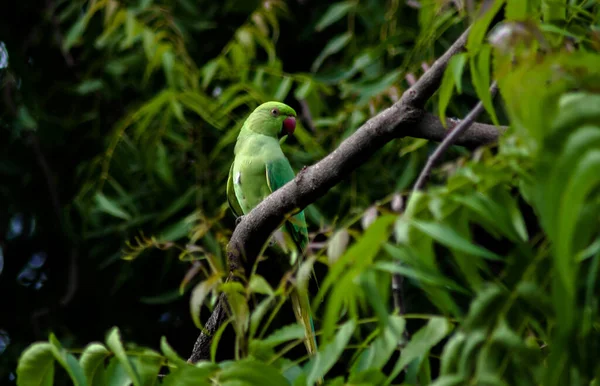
<point x="499" y="254"/>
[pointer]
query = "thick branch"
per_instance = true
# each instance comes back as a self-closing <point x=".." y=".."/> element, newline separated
<point x="430" y="127"/>
<point x="404" y="118"/>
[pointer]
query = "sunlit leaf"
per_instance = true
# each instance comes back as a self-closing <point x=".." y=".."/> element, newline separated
<point x="452" y="78"/>
<point x="199" y="293"/>
<point x="329" y="354"/>
<point x="250" y="372"/>
<point x="113" y="341"/>
<point x="422" y="342"/>
<point x="334" y="46"/>
<point x="334" y="13"/>
<point x="36" y="365"/>
<point x="449" y="237"/>
<point x="109" y="206"/>
<point x="92" y="361"/>
<point x="337" y="245"/>
<point x="68" y="362"/>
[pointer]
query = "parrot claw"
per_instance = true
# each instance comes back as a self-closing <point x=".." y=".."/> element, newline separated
<point x="238" y="220"/>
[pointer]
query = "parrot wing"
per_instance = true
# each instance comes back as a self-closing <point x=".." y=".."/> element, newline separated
<point x="279" y="172"/>
<point x="231" y="198"/>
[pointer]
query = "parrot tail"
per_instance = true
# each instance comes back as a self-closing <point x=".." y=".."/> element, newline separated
<point x="301" y="306"/>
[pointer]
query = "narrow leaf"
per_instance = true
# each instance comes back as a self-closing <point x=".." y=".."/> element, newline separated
<point x="450" y="238"/>
<point x="334" y="13"/>
<point x="113" y="341"/>
<point x="329" y="354"/>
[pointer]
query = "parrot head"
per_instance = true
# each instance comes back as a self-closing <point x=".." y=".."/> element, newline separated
<point x="274" y="119"/>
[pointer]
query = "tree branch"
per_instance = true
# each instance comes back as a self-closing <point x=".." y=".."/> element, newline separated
<point x="456" y="132"/>
<point x="404" y="118"/>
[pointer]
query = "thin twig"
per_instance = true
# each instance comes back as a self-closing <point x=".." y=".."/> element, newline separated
<point x="457" y="132"/>
<point x="449" y="141"/>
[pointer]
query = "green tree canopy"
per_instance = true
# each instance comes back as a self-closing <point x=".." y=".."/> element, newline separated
<point x="117" y="126"/>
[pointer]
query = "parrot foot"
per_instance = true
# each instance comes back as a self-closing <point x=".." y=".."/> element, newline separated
<point x="238" y="220"/>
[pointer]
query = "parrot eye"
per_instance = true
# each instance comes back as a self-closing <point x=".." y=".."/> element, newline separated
<point x="275" y="112"/>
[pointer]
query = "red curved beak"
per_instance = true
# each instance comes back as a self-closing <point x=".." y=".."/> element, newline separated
<point x="289" y="124"/>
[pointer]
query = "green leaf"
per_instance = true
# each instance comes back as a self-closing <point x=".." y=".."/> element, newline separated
<point x="520" y="10"/>
<point x="89" y="86"/>
<point x="485" y="307"/>
<point x="284" y="88"/>
<point x="170" y="354"/>
<point x="480" y="75"/>
<point x="334" y="46"/>
<point x="113" y="341"/>
<point x="379" y="352"/>
<point x="371" y="377"/>
<point x="68" y="362"/>
<point x="421" y="274"/>
<point x="512" y="342"/>
<point x="480" y="26"/>
<point x="162" y="298"/>
<point x="421" y="343"/>
<point x="199" y="374"/>
<point x="236" y="296"/>
<point x="584" y="178"/>
<point x="578" y="109"/>
<point x="36" y="366"/>
<point x="447" y="236"/>
<point x="168" y="63"/>
<point x="304" y="90"/>
<point x="450" y="380"/>
<point x="92" y="363"/>
<point x="162" y="166"/>
<point x="452" y="78"/>
<point x="370" y="281"/>
<point x="199" y="293"/>
<point x="176" y="231"/>
<point x="499" y="213"/>
<point x="250" y="372"/>
<point x="109" y="206"/>
<point x="334" y="13"/>
<point x="337" y="245"/>
<point x="362" y="252"/>
<point x="339" y="282"/>
<point x="554" y="10"/>
<point x="259" y="313"/>
<point x="177" y="205"/>
<point x="328" y="355"/>
<point x="74" y="33"/>
<point x="25" y="119"/>
<point x="182" y="373"/>
<point x="282" y="335"/>
<point x="451" y="353"/>
<point x="258" y="284"/>
<point x="116" y="374"/>
<point x="148" y="363"/>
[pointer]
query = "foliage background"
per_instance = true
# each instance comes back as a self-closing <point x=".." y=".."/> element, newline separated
<point x="117" y="129"/>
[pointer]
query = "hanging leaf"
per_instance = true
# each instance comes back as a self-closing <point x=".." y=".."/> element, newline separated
<point x="334" y="13"/>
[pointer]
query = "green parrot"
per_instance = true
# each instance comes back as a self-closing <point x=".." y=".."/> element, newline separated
<point x="260" y="168"/>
